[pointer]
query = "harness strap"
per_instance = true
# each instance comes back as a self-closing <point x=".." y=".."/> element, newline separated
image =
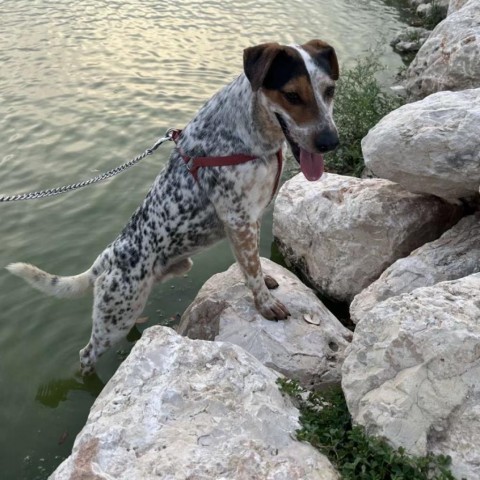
<point x="194" y="163"/>
<point x="278" y="174"/>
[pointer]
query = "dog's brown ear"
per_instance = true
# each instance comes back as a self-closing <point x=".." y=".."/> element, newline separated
<point x="257" y="61"/>
<point x="321" y="50"/>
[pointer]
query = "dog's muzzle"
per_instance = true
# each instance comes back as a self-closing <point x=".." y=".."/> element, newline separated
<point x="311" y="163"/>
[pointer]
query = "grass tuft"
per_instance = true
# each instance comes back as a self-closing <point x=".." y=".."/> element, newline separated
<point x="327" y="425"/>
<point x="434" y="16"/>
<point x="360" y="103"/>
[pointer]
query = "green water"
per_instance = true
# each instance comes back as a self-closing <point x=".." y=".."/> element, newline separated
<point x="85" y="86"/>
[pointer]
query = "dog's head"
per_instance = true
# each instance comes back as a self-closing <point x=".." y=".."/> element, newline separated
<point x="297" y="84"/>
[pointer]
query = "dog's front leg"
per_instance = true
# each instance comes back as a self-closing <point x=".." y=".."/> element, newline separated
<point x="244" y="240"/>
<point x="270" y="282"/>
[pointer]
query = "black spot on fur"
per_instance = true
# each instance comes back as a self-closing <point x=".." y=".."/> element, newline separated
<point x="107" y="298"/>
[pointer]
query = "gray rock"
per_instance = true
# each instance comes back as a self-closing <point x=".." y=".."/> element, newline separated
<point x="343" y="232"/>
<point x="412" y="372"/>
<point x="179" y="408"/>
<point x="450" y="58"/>
<point x="410" y="40"/>
<point x="440" y="3"/>
<point x="430" y="146"/>
<point x="416" y="3"/>
<point x="424" y="10"/>
<point x="455" y="5"/>
<point x="454" y="255"/>
<point x="307" y="347"/>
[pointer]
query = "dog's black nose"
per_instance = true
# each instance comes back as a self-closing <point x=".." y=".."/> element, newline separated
<point x="326" y="141"/>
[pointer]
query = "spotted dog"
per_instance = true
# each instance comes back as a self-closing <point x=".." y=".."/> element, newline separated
<point x="285" y="92"/>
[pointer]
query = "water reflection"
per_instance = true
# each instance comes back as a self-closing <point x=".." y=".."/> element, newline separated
<point x="56" y="391"/>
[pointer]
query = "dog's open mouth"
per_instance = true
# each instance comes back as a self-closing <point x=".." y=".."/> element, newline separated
<point x="311" y="164"/>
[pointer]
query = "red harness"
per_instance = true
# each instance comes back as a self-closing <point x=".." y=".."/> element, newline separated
<point x="194" y="163"/>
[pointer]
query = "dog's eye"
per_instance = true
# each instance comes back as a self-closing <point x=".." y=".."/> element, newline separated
<point x="293" y="98"/>
<point x="330" y="92"/>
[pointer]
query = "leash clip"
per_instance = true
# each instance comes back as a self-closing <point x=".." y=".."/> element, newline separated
<point x="173" y="134"/>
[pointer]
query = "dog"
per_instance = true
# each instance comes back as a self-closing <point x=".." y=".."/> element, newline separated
<point x="284" y="93"/>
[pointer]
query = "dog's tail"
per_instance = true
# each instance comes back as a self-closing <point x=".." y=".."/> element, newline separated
<point x="62" y="287"/>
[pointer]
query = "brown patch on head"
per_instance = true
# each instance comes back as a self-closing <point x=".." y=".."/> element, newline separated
<point x="304" y="110"/>
<point x="281" y="73"/>
<point x="324" y="55"/>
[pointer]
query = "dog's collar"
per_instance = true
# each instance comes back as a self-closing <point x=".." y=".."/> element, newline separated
<point x="193" y="164"/>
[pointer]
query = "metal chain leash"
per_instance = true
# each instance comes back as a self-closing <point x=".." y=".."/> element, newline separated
<point x="75" y="186"/>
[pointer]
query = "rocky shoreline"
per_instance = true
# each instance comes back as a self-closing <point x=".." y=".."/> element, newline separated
<point x="425" y="15"/>
<point x="402" y="249"/>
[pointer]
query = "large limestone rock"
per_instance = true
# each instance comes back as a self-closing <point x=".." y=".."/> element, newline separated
<point x="455" y="5"/>
<point x="450" y="58"/>
<point x="343" y="232"/>
<point x="430" y="146"/>
<point x="179" y="408"/>
<point x="455" y="254"/>
<point x="308" y="347"/>
<point x="412" y="374"/>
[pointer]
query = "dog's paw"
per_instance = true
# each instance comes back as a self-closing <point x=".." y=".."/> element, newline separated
<point x="87" y="365"/>
<point x="270" y="282"/>
<point x="87" y="370"/>
<point x="272" y="309"/>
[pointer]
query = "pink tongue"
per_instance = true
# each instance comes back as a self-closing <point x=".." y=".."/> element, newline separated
<point x="311" y="165"/>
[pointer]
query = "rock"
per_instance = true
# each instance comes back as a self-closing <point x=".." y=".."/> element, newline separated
<point x="412" y="372"/>
<point x="307" y="347"/>
<point x="410" y="39"/>
<point x="398" y="90"/>
<point x="455" y="254"/>
<point x="343" y="232"/>
<point x="430" y="146"/>
<point x="439" y="3"/>
<point x="450" y="58"/>
<point x="424" y="10"/>
<point x="180" y="408"/>
<point x="416" y="3"/>
<point x="455" y="5"/>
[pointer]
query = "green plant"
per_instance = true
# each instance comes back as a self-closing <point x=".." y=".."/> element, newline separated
<point x="413" y="35"/>
<point x="327" y="425"/>
<point x="360" y="103"/>
<point x="434" y="16"/>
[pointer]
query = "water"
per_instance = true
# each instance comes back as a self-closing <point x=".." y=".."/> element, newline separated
<point x="85" y="86"/>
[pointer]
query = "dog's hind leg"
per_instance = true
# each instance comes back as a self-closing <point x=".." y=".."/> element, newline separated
<point x="177" y="269"/>
<point x="116" y="308"/>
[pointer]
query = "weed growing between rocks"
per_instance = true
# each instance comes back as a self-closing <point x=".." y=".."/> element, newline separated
<point x="433" y="16"/>
<point x="327" y="425"/>
<point x="360" y="103"/>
